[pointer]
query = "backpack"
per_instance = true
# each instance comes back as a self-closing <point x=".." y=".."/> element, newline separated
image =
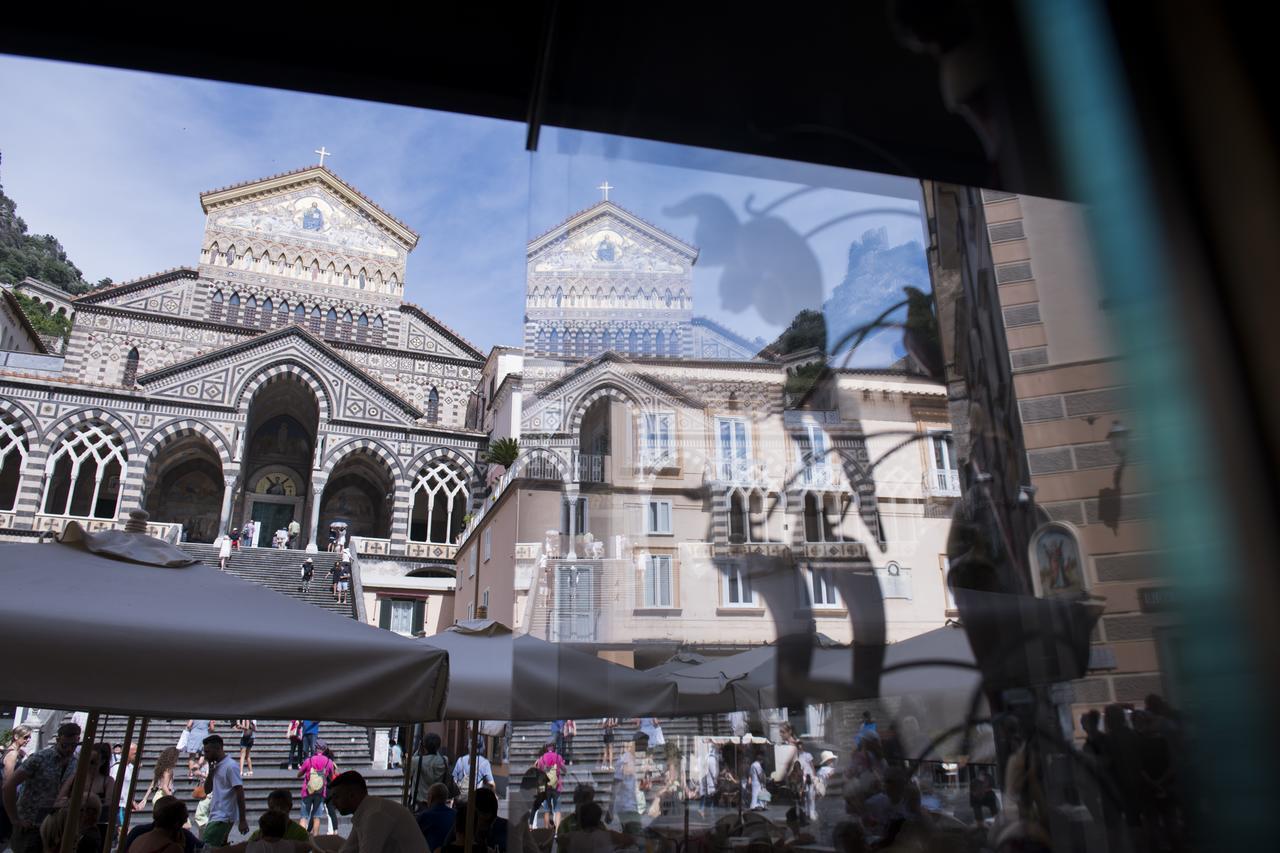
<point x="433" y="769"/>
<point x="315" y="780"/>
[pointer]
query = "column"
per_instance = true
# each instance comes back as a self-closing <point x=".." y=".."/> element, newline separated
<point x="228" y="492"/>
<point x="571" y="495"/>
<point x="317" y="491"/>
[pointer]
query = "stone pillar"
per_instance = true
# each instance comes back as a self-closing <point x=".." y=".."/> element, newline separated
<point x="228" y="493"/>
<point x="317" y="491"/>
<point x="571" y="495"/>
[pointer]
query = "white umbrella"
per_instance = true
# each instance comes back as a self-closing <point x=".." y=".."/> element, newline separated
<point x="111" y="621"/>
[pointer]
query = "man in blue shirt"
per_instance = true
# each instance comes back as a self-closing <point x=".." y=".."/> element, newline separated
<point x="436" y="820"/>
<point x="310" y="731"/>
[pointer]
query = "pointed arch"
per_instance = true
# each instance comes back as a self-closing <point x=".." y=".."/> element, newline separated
<point x="433" y="405"/>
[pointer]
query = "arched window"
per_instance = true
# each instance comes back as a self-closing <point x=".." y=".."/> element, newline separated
<point x="439" y="503"/>
<point x="234" y="302"/>
<point x="231" y="255"/>
<point x="433" y="406"/>
<point x="297" y="267"/>
<point x="633" y="342"/>
<point x="737" y="517"/>
<point x="130" y="368"/>
<point x="362" y="281"/>
<point x="559" y="297"/>
<point x="213" y="253"/>
<point x="346" y="317"/>
<point x="668" y="297"/>
<point x="83" y="476"/>
<point x="363" y="322"/>
<point x="267" y="306"/>
<point x="315" y="313"/>
<point x="394" y="282"/>
<point x="346" y="276"/>
<point x="13" y="456"/>
<point x="315" y="271"/>
<point x="252" y="304"/>
<point x="661" y="348"/>
<point x="300" y="313"/>
<point x="217" y="297"/>
<point x="553" y="346"/>
<point x="330" y="274"/>
<point x="377" y="322"/>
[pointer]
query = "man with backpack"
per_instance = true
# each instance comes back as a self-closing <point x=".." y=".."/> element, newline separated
<point x="429" y="769"/>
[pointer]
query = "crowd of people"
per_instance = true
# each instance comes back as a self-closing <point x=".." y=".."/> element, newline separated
<point x="783" y="793"/>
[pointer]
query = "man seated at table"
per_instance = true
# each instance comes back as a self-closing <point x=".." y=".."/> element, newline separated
<point x="378" y="825"/>
<point x="436" y="820"/>
<point x="163" y="806"/>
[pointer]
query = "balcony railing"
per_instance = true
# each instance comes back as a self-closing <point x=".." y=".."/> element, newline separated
<point x="588" y="468"/>
<point x="942" y="483"/>
<point x="741" y="471"/>
<point x="821" y="475"/>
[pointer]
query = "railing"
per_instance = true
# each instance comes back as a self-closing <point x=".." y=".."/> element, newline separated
<point x="588" y="468"/>
<point x="741" y="471"/>
<point x="942" y="483"/>
<point x="540" y="468"/>
<point x="170" y="532"/>
<point x="370" y="545"/>
<point x="821" y="475"/>
<point x="432" y="550"/>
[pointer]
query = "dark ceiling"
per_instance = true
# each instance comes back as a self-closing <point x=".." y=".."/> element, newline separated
<point x="833" y="84"/>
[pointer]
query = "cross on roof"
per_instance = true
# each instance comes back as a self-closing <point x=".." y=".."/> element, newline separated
<point x="605" y="186"/>
<point x="323" y="154"/>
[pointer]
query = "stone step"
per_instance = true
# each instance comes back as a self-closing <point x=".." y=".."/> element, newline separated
<point x="350" y="744"/>
<point x="278" y="570"/>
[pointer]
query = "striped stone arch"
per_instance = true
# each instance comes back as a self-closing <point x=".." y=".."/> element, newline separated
<point x="528" y="457"/>
<point x="174" y="430"/>
<point x="580" y="406"/>
<point x="326" y="397"/>
<point x="369" y="446"/>
<point x="63" y="425"/>
<point x="431" y="454"/>
<point x="24" y="420"/>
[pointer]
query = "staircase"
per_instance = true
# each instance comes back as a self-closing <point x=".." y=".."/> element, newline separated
<point x="280" y="570"/>
<point x="528" y="739"/>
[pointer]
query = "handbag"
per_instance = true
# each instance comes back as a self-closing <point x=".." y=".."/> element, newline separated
<point x="183" y="739"/>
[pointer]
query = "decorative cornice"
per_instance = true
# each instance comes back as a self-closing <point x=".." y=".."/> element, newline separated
<point x="26" y="322"/>
<point x="605" y="208"/>
<point x="270" y="337"/>
<point x="438" y="325"/>
<point x="286" y="180"/>
<point x="163" y="277"/>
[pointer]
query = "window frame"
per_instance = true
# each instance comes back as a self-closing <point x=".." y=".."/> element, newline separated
<point x="743" y="581"/>
<point x="739" y="453"/>
<point x="650" y="568"/>
<point x="663" y="453"/>
<point x="652" y="527"/>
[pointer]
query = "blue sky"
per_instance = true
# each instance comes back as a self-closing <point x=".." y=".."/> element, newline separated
<point x="112" y="163"/>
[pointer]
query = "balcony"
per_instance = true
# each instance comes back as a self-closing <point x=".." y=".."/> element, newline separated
<point x="942" y="483"/>
<point x="821" y="475"/>
<point x="741" y="472"/>
<point x="589" y="467"/>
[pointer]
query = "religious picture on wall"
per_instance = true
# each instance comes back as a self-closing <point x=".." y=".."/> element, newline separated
<point x="276" y="484"/>
<point x="1056" y="560"/>
<point x="313" y="219"/>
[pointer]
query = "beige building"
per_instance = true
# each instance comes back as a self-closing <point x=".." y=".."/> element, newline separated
<point x="657" y="499"/>
<point x="1089" y="483"/>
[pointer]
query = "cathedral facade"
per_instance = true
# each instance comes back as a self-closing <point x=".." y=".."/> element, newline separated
<point x="280" y="378"/>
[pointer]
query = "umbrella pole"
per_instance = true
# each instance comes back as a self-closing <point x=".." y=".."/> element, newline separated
<point x="118" y="787"/>
<point x="471" y="788"/>
<point x="71" y="829"/>
<point x="404" y="792"/>
<point x="133" y="784"/>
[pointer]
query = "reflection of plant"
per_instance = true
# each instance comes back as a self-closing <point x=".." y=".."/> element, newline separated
<point x="503" y="452"/>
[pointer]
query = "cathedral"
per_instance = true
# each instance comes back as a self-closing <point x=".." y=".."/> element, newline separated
<point x="280" y="378"/>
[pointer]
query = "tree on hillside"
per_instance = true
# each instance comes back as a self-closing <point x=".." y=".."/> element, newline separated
<point x="39" y="256"/>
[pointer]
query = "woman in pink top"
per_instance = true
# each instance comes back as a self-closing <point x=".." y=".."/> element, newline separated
<point x="315" y="773"/>
<point x="553" y="765"/>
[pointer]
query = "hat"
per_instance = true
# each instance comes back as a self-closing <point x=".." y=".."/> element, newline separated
<point x="827" y="755"/>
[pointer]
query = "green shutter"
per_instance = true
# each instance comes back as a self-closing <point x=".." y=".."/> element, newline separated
<point x="384" y="613"/>
<point x="419" y="612"/>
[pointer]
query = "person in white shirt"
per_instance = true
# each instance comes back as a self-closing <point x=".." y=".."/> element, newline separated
<point x="484" y="772"/>
<point x="378" y="825"/>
